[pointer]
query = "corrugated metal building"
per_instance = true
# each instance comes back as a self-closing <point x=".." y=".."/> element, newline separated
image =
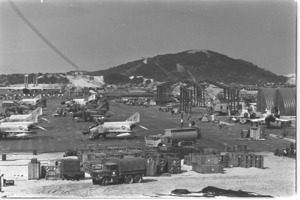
<point x="265" y="99"/>
<point x="285" y="100"/>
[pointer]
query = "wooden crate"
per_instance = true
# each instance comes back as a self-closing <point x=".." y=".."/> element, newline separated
<point x="174" y="165"/>
<point x="207" y="159"/>
<point x="237" y="159"/>
<point x="34" y="171"/>
<point x="207" y="169"/>
<point x="259" y="161"/>
<point x="248" y="160"/>
<point x="225" y="161"/>
<point x="162" y="165"/>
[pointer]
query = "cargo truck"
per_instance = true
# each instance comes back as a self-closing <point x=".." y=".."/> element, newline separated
<point x="174" y="137"/>
<point x="114" y="170"/>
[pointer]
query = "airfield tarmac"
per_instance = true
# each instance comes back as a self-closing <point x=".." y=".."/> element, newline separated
<point x="277" y="179"/>
<point x="63" y="133"/>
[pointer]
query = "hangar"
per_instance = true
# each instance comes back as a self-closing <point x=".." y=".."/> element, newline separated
<point x="282" y="98"/>
<point x="285" y="100"/>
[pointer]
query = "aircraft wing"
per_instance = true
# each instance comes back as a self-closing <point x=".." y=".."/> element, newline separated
<point x="237" y="116"/>
<point x="225" y="123"/>
<point x="257" y="120"/>
<point x="284" y="120"/>
<point x="97" y="115"/>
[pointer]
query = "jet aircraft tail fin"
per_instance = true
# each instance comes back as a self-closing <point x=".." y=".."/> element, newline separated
<point x="134" y="118"/>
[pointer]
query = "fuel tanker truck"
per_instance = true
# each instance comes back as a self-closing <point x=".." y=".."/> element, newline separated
<point x="120" y="170"/>
<point x="174" y="137"/>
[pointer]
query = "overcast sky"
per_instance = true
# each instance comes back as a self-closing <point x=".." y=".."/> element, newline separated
<point x="96" y="34"/>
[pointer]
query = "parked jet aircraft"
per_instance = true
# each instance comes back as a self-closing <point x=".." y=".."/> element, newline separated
<point x="32" y="101"/>
<point x="21" y="128"/>
<point x="119" y="129"/>
<point x="28" y="117"/>
<point x="102" y="111"/>
<point x="269" y="117"/>
<point x="81" y="102"/>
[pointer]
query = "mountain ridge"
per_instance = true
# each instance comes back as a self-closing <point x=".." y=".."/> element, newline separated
<point x="202" y="64"/>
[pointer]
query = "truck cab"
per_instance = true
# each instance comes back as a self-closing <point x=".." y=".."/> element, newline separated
<point x="108" y="174"/>
<point x="154" y="140"/>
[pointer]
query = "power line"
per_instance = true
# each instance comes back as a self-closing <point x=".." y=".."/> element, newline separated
<point x="40" y="35"/>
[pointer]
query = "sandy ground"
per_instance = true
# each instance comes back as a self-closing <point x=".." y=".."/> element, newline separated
<point x="276" y="179"/>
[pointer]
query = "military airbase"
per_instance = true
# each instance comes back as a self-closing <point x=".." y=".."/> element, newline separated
<point x="65" y="134"/>
<point x="148" y="99"/>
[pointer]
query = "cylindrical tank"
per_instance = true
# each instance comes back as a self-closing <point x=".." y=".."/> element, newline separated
<point x="183" y="134"/>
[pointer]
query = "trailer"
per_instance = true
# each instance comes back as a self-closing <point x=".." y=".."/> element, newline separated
<point x="70" y="169"/>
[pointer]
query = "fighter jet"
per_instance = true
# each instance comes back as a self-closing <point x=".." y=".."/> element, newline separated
<point x="20" y="128"/>
<point x="269" y="117"/>
<point x="36" y="101"/>
<point x="28" y="117"/>
<point x="118" y="129"/>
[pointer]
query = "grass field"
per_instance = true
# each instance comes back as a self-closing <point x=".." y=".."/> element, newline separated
<point x="63" y="133"/>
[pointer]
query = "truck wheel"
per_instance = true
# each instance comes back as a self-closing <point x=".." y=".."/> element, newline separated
<point x="105" y="181"/>
<point x="95" y="182"/>
<point x="137" y="178"/>
<point x="129" y="179"/>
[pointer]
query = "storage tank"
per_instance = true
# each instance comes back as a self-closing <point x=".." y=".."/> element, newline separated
<point x="182" y="134"/>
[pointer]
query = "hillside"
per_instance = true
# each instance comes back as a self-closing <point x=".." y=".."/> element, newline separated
<point x="203" y="64"/>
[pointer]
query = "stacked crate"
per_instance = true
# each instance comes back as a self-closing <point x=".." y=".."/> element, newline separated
<point x="162" y="165"/>
<point x="225" y="160"/>
<point x="174" y="165"/>
<point x="248" y="160"/>
<point x="237" y="159"/>
<point x="259" y="161"/>
<point x="207" y="164"/>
